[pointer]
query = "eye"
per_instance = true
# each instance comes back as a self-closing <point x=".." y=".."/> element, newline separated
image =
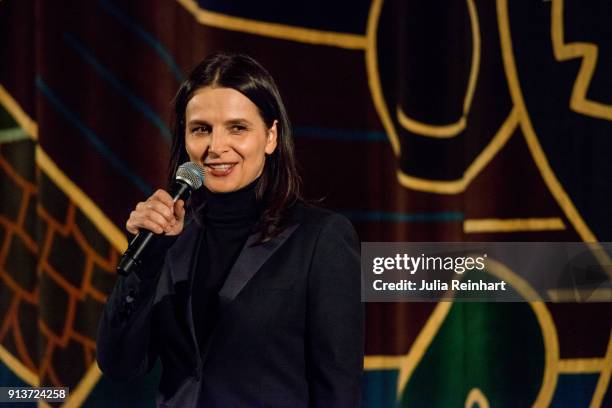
<point x="237" y="128"/>
<point x="200" y="130"/>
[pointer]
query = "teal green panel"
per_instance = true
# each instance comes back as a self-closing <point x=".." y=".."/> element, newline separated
<point x="496" y="347"/>
<point x="379" y="388"/>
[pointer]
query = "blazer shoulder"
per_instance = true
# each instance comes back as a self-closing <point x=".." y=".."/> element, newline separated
<point x="321" y="220"/>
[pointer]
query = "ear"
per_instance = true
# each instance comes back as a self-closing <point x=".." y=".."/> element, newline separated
<point x="271" y="142"/>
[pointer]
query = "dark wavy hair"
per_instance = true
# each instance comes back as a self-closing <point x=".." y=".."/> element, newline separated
<point x="278" y="188"/>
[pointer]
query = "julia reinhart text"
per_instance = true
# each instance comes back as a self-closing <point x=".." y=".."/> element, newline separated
<point x="438" y="285"/>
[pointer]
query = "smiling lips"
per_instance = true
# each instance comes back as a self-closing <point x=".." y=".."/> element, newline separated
<point x="220" y="169"/>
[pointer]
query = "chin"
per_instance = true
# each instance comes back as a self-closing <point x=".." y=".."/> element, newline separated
<point x="223" y="187"/>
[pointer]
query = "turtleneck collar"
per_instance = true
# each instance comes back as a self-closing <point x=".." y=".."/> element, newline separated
<point x="233" y="209"/>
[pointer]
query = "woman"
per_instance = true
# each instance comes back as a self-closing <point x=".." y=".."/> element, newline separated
<point x="256" y="302"/>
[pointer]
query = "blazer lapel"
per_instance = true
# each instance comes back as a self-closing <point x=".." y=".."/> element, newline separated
<point x="181" y="260"/>
<point x="249" y="261"/>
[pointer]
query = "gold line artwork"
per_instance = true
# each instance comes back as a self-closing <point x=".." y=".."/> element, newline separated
<point x="381" y="362"/>
<point x="453" y="129"/>
<point x="581" y="365"/>
<point x="554" y="365"/>
<point x="18" y="368"/>
<point x="92" y="212"/>
<point x="81" y="392"/>
<point x="407" y="363"/>
<point x="588" y="52"/>
<point x="371" y="60"/>
<point x="503" y="134"/>
<point x="498" y="141"/>
<point x="475" y="396"/>
<point x="425" y="129"/>
<point x="517" y="117"/>
<point x="533" y="143"/>
<point x="13" y="108"/>
<point x="18" y="114"/>
<point x="604" y="377"/>
<point x="85" y="204"/>
<point x="547" y="326"/>
<point x="535" y="148"/>
<point x="273" y="30"/>
<point x="472" y="226"/>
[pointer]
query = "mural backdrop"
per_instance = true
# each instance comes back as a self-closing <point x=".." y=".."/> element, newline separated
<point x="460" y="120"/>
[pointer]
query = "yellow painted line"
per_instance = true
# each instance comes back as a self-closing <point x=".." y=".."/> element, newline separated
<point x="273" y="30"/>
<point x="588" y="52"/>
<point x="18" y="114"/>
<point x="371" y="60"/>
<point x="92" y="212"/>
<point x="453" y="129"/>
<point x="426" y="129"/>
<point x="533" y="143"/>
<point x="549" y="333"/>
<point x="604" y="378"/>
<point x="476" y="397"/>
<point x="85" y="204"/>
<point x="492" y="225"/>
<point x="553" y="184"/>
<point x="83" y="389"/>
<point x="410" y="361"/>
<point x="374" y="362"/>
<point x="581" y="365"/>
<point x="458" y="186"/>
<point x="18" y="368"/>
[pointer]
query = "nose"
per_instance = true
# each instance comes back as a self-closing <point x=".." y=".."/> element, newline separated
<point x="218" y="143"/>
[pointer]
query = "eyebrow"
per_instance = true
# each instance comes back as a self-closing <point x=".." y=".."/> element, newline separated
<point x="236" y="121"/>
<point x="197" y="122"/>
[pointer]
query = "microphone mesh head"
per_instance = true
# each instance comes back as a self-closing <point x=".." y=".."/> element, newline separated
<point x="191" y="173"/>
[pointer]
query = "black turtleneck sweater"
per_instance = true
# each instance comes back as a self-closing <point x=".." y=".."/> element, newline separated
<point x="229" y="219"/>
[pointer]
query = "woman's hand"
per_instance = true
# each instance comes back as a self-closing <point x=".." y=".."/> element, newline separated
<point x="158" y="214"/>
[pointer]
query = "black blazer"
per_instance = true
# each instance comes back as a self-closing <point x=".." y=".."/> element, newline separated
<point x="290" y="327"/>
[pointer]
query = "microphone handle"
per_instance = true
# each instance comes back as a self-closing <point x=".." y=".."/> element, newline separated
<point x="132" y="258"/>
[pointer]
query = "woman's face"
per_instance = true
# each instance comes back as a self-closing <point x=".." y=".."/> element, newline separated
<point x="225" y="133"/>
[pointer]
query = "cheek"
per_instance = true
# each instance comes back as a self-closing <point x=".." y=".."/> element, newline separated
<point x="256" y="158"/>
<point x="194" y="150"/>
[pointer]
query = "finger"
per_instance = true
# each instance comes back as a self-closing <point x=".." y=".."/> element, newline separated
<point x="133" y="222"/>
<point x="157" y="218"/>
<point x="179" y="210"/>
<point x="159" y="207"/>
<point x="164" y="197"/>
<point x="152" y="226"/>
<point x="138" y="221"/>
<point x="129" y="225"/>
<point x="141" y="206"/>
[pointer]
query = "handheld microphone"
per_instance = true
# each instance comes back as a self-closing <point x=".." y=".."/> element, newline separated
<point x="189" y="177"/>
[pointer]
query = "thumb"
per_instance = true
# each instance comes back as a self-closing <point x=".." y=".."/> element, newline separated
<point x="179" y="210"/>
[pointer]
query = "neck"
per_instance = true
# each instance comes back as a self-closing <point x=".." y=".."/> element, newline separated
<point x="235" y="207"/>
